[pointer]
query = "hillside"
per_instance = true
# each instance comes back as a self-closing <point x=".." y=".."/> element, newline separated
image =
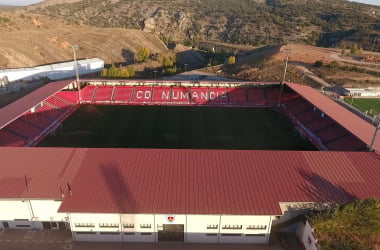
<point x="30" y="39"/>
<point x="255" y="22"/>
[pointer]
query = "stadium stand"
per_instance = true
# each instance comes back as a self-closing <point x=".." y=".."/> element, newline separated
<point x="123" y="94"/>
<point x="23" y="129"/>
<point x="331" y="133"/>
<point x="256" y="96"/>
<point x="142" y="94"/>
<point x="70" y="97"/>
<point x="9" y="139"/>
<point x="272" y="96"/>
<point x="88" y="93"/>
<point x="103" y="94"/>
<point x="347" y="143"/>
<point x="199" y="95"/>
<point x="161" y="95"/>
<point x="218" y="96"/>
<point x="180" y="95"/>
<point x="237" y="96"/>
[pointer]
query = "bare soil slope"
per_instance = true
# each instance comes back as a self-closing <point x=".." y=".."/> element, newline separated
<point x="30" y="40"/>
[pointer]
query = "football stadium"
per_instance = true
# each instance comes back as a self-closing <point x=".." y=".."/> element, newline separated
<point x="190" y="161"/>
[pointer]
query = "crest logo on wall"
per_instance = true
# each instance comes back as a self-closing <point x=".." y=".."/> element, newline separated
<point x="170" y="218"/>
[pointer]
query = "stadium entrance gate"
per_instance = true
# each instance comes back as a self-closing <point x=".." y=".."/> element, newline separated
<point x="171" y="232"/>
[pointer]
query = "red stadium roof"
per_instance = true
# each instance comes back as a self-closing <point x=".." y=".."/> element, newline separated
<point x="16" y="109"/>
<point x="357" y="126"/>
<point x="186" y="181"/>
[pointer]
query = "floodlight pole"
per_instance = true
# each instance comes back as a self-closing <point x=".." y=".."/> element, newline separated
<point x="283" y="79"/>
<point x="74" y="47"/>
<point x="374" y="137"/>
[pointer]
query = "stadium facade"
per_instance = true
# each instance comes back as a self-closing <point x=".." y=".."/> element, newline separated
<point x="153" y="195"/>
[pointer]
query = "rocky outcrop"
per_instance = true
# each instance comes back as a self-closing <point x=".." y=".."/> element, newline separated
<point x="177" y="26"/>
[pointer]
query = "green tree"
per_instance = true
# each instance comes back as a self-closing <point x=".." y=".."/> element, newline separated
<point x="354" y="49"/>
<point x="104" y="72"/>
<point x="131" y="71"/>
<point x="348" y="226"/>
<point x="231" y="60"/>
<point x="112" y="71"/>
<point x="143" y="54"/>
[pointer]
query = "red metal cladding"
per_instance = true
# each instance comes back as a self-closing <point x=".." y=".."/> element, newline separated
<point x="357" y="126"/>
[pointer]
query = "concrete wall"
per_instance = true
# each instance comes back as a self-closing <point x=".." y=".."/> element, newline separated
<point x="24" y="213"/>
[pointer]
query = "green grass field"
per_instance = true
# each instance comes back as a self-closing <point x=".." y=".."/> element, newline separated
<point x="372" y="105"/>
<point x="177" y="127"/>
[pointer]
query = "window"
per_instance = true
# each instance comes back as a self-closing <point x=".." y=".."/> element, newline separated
<point x="257" y="227"/>
<point x="22" y="225"/>
<point x="257" y="235"/>
<point x="128" y="225"/>
<point x="129" y="233"/>
<point x="110" y="233"/>
<point x="211" y="234"/>
<point x="146" y="234"/>
<point x="84" y="224"/>
<point x="85" y="232"/>
<point x="214" y="226"/>
<point x="231" y="234"/>
<point x="232" y="227"/>
<point x="145" y="225"/>
<point x="109" y="225"/>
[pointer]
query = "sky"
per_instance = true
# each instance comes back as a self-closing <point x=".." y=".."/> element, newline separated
<point x="27" y="2"/>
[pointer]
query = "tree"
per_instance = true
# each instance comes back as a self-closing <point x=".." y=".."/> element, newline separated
<point x="318" y="64"/>
<point x="143" y="54"/>
<point x="354" y="49"/>
<point x="350" y="226"/>
<point x="231" y="60"/>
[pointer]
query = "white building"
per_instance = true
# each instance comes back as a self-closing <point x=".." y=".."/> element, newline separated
<point x="53" y="71"/>
<point x="360" y="92"/>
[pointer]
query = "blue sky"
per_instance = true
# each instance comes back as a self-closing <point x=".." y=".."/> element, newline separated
<point x="27" y="2"/>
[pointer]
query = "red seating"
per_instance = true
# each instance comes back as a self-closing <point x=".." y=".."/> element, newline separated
<point x="320" y="124"/>
<point x="161" y="95"/>
<point x="103" y="93"/>
<point x="199" y="95"/>
<point x="123" y="94"/>
<point x="237" y="96"/>
<point x="300" y="107"/>
<point x="331" y="133"/>
<point x="58" y="103"/>
<point x="272" y="95"/>
<point x="88" y="92"/>
<point x="68" y="96"/>
<point x="218" y="96"/>
<point x="308" y="116"/>
<point x="8" y="139"/>
<point x="23" y="128"/>
<point x="180" y="95"/>
<point x="256" y="96"/>
<point x="142" y="94"/>
<point x="347" y="143"/>
<point x="36" y="119"/>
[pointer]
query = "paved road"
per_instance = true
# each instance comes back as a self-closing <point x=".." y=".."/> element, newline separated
<point x="60" y="240"/>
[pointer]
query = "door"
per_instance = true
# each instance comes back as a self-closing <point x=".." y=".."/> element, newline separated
<point x="172" y="232"/>
<point x="5" y="224"/>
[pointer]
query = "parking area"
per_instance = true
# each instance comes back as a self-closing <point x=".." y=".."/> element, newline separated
<point x="61" y="239"/>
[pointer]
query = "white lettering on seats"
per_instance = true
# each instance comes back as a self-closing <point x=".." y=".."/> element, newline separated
<point x="165" y="95"/>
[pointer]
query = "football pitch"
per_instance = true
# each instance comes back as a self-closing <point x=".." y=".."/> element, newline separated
<point x="372" y="105"/>
<point x="177" y="127"/>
